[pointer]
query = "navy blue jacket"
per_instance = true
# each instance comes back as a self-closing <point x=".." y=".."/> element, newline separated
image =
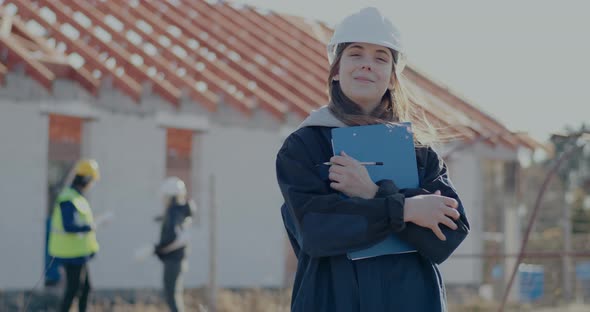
<point x="323" y="226"/>
<point x="173" y="223"/>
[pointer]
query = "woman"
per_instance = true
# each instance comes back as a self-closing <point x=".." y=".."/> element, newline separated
<point x="366" y="59"/>
<point x="173" y="240"/>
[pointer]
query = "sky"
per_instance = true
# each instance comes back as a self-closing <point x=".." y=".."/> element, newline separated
<point x="524" y="62"/>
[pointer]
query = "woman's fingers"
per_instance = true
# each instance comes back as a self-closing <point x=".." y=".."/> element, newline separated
<point x="337" y="169"/>
<point x="338" y="160"/>
<point x="437" y="231"/>
<point x="337" y="186"/>
<point x="343" y="160"/>
<point x="448" y="222"/>
<point x="451" y="202"/>
<point x="334" y="176"/>
<point x="452" y="213"/>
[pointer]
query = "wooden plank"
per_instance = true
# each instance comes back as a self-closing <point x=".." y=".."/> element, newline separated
<point x="123" y="82"/>
<point x="33" y="67"/>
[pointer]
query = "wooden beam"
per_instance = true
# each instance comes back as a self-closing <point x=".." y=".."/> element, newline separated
<point x="162" y="87"/>
<point x="162" y="64"/>
<point x="34" y="68"/>
<point x="3" y="71"/>
<point x="25" y="43"/>
<point x="6" y="25"/>
<point x="58" y="65"/>
<point x="271" y="87"/>
<point x="297" y="81"/>
<point x="205" y="97"/>
<point x="216" y="68"/>
<point x="85" y="79"/>
<point x="27" y="36"/>
<point x="56" y="62"/>
<point x="123" y="82"/>
<point x="63" y="69"/>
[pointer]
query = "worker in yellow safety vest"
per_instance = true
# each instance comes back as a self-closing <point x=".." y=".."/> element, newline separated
<point x="72" y="239"/>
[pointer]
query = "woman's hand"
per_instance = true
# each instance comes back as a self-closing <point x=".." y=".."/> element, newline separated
<point x="430" y="210"/>
<point x="351" y="178"/>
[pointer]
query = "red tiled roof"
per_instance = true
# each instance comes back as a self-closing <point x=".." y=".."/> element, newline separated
<point x="211" y="52"/>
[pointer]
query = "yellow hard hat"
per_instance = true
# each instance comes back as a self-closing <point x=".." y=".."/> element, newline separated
<point x="88" y="167"/>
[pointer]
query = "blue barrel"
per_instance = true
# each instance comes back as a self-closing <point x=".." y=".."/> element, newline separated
<point x="532" y="282"/>
<point x="583" y="270"/>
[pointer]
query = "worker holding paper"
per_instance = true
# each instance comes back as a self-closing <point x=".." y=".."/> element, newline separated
<point x="174" y="238"/>
<point x="72" y="238"/>
<point x="333" y="207"/>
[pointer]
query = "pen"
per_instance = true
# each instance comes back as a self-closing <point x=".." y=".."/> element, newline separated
<point x="364" y="163"/>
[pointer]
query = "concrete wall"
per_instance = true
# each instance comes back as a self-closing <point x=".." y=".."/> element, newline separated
<point x="250" y="230"/>
<point x="131" y="154"/>
<point x="23" y="188"/>
<point x="465" y="173"/>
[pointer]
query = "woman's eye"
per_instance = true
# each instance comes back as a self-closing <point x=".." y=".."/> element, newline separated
<point x="382" y="60"/>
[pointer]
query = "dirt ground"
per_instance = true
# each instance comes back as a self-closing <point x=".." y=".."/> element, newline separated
<point x="228" y="301"/>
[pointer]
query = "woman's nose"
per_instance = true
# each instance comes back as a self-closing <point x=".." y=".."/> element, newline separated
<point x="366" y="67"/>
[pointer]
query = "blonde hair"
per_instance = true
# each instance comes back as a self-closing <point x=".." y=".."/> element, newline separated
<point x="395" y="105"/>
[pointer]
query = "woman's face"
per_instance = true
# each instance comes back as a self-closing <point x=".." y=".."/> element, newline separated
<point x="365" y="73"/>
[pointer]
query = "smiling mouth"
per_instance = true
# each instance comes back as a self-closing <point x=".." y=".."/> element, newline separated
<point x="363" y="79"/>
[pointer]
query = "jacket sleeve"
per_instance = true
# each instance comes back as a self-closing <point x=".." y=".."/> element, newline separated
<point x="436" y="178"/>
<point x="193" y="214"/>
<point x="170" y="228"/>
<point x="68" y="216"/>
<point x="325" y="222"/>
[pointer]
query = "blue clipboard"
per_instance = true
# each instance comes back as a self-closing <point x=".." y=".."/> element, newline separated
<point x="392" y="144"/>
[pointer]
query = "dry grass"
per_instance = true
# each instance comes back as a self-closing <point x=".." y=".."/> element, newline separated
<point x="251" y="300"/>
<point x="257" y="300"/>
<point x="228" y="301"/>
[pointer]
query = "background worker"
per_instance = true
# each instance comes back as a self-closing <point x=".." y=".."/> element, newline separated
<point x="72" y="238"/>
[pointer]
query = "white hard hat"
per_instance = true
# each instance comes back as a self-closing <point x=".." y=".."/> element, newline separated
<point x="173" y="186"/>
<point x="368" y="26"/>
